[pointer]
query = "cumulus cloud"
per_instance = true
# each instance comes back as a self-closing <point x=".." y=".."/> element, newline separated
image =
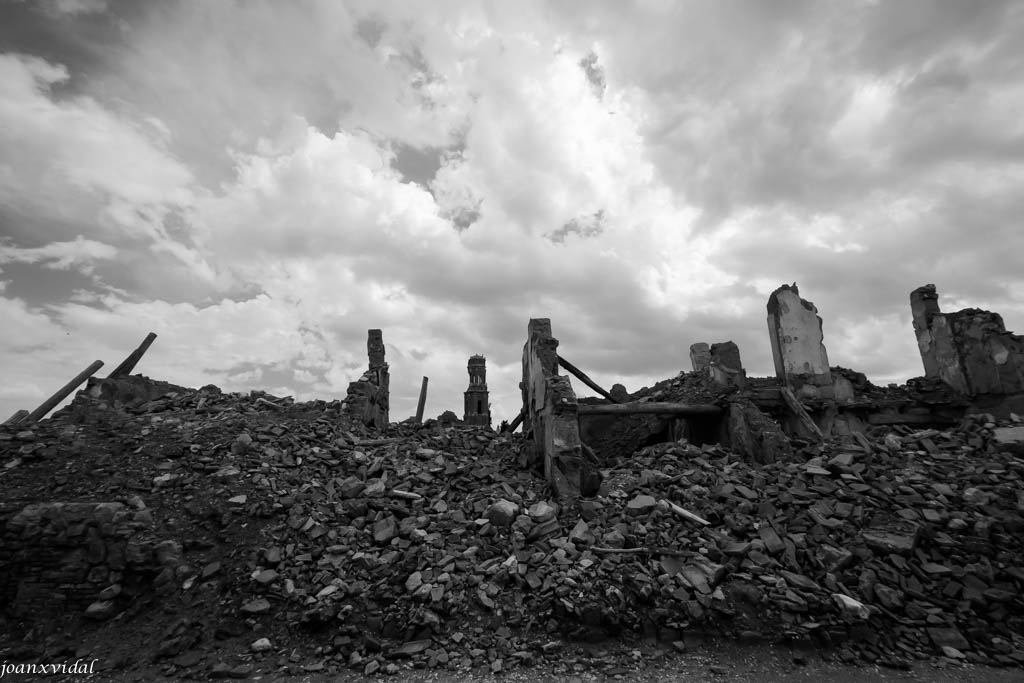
<point x="80" y="252"/>
<point x="290" y="176"/>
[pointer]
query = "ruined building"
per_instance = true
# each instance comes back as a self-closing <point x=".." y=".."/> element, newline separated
<point x="477" y="407"/>
<point x="972" y="364"/>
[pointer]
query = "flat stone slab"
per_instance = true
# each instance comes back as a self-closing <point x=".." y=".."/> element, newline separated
<point x="900" y="540"/>
<point x="1008" y="434"/>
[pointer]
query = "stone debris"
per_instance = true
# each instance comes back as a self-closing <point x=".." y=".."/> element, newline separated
<point x="434" y="547"/>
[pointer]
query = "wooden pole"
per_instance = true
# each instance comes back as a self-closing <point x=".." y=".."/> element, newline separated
<point x="16" y="418"/>
<point x="581" y="376"/>
<point x="651" y="408"/>
<point x="801" y="413"/>
<point x="423" y="402"/>
<point x="129" y="363"/>
<point x="515" y="423"/>
<point x="64" y="392"/>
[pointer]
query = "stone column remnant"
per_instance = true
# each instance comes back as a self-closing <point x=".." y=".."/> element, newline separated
<point x="725" y="366"/>
<point x="794" y="328"/>
<point x="368" y="397"/>
<point x="970" y="350"/>
<point x="375" y="348"/>
<point x="700" y="356"/>
<point x="551" y="411"/>
<point x="477" y="404"/>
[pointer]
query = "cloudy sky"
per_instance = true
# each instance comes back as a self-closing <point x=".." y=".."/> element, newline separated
<point x="261" y="182"/>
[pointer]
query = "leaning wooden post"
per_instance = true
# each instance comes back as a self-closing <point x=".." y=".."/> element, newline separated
<point x="801" y="413"/>
<point x="129" y="363"/>
<point x="16" y="418"/>
<point x="511" y="427"/>
<point x="64" y="392"/>
<point x="423" y="402"/>
<point x="581" y="376"/>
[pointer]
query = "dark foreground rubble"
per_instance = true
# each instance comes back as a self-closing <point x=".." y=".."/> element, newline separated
<point x="197" y="534"/>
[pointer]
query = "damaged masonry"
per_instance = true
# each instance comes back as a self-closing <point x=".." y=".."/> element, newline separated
<point x="190" y="533"/>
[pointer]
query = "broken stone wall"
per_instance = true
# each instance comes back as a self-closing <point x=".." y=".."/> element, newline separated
<point x="57" y="559"/>
<point x="754" y="435"/>
<point x="970" y="350"/>
<point x="551" y="411"/>
<point x="796" y="336"/>
<point x="368" y="397"/>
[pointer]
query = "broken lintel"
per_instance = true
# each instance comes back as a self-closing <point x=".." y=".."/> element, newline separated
<point x="655" y="408"/>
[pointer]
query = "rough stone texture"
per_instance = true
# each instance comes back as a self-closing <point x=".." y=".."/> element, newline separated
<point x="754" y="435"/>
<point x="375" y="348"/>
<point x="794" y="328"/>
<point x="725" y="366"/>
<point x="700" y="356"/>
<point x="368" y="397"/>
<point x="299" y="562"/>
<point x="477" y="403"/>
<point x="61" y="557"/>
<point x="970" y="350"/>
<point x="619" y="393"/>
<point x="551" y="411"/>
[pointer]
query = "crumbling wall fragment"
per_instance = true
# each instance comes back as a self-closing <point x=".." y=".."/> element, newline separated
<point x="551" y="411"/>
<point x="700" y="356"/>
<point x="970" y="350"/>
<point x="57" y="557"/>
<point x="795" y="331"/>
<point x="754" y="435"/>
<point x="368" y="397"/>
<point x="725" y="366"/>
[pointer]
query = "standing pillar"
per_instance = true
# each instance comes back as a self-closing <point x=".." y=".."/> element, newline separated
<point x="794" y="328"/>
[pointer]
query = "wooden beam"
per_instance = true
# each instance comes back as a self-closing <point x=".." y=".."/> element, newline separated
<point x="651" y="408"/>
<point x="581" y="376"/>
<point x="129" y="363"/>
<point x="422" y="403"/>
<point x="801" y="413"/>
<point x="65" y="391"/>
<point x="515" y="423"/>
<point x="682" y="512"/>
<point x="17" y="417"/>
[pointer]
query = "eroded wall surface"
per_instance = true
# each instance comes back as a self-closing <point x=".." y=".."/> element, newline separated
<point x="551" y="411"/>
<point x="795" y="331"/>
<point x="368" y="397"/>
<point x="970" y="350"/>
<point x="57" y="558"/>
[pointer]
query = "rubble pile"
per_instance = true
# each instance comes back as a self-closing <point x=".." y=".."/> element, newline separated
<point x="308" y="543"/>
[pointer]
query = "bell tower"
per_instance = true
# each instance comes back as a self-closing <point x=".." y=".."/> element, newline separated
<point x="478" y="410"/>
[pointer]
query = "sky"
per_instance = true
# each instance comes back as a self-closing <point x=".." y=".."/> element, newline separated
<point x="260" y="183"/>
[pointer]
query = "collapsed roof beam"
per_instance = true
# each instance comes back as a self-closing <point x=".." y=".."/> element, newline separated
<point x="650" y="408"/>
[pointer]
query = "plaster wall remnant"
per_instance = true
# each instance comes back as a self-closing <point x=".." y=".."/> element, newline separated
<point x="794" y="328"/>
<point x="725" y="366"/>
<point x="368" y="397"/>
<point x="700" y="356"/>
<point x="477" y="406"/>
<point x="551" y="411"/>
<point x="970" y="350"/>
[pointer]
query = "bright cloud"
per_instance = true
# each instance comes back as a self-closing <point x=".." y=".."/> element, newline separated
<point x="237" y="179"/>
